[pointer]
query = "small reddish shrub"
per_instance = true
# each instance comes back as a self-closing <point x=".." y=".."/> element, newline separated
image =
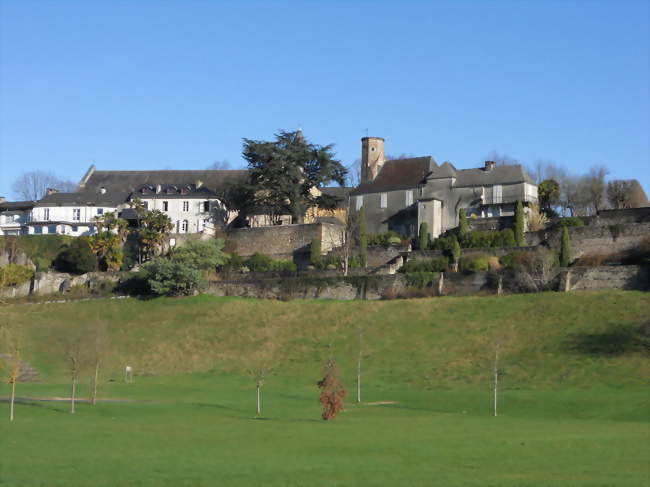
<point x="332" y="392"/>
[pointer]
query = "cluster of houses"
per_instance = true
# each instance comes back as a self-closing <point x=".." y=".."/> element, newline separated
<point x="395" y="194"/>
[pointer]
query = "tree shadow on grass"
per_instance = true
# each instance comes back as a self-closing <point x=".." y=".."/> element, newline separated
<point x="613" y="342"/>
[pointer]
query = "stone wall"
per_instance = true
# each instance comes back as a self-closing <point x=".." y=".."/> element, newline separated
<point x="46" y="283"/>
<point x="602" y="239"/>
<point x="284" y="241"/>
<point x="627" y="277"/>
<point x="492" y="224"/>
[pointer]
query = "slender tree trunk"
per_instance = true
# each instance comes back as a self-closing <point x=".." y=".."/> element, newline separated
<point x="74" y="391"/>
<point x="13" y="398"/>
<point x="259" y="405"/>
<point x="93" y="399"/>
<point x="496" y="378"/>
<point x="359" y="368"/>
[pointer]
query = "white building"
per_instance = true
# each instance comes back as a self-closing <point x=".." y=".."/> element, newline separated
<point x="192" y="208"/>
<point x="69" y="213"/>
<point x="14" y="216"/>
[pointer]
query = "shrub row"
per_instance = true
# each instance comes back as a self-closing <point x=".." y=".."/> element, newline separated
<point x="384" y="239"/>
<point x="478" y="239"/>
<point x="435" y="264"/>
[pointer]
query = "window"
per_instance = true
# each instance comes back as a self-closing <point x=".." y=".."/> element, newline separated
<point x="359" y="202"/>
<point x="497" y="193"/>
<point x="383" y="200"/>
<point x="51" y="229"/>
<point x="186" y="206"/>
<point x="165" y="205"/>
<point x="76" y="214"/>
<point x="75" y="228"/>
<point x="38" y="230"/>
<point x="184" y="224"/>
<point x="46" y="214"/>
<point x="206" y="206"/>
<point x="409" y="198"/>
<point x="100" y="211"/>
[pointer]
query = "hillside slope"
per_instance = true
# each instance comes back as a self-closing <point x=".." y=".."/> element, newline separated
<point x="546" y="340"/>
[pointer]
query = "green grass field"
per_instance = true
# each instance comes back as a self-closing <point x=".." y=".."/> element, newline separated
<point x="574" y="400"/>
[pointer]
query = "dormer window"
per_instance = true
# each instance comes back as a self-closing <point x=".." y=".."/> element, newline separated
<point x="184" y="191"/>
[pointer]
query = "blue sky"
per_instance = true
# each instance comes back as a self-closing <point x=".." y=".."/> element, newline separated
<point x="152" y="85"/>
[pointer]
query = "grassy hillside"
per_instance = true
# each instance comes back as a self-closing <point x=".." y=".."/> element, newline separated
<point x="573" y="406"/>
<point x="546" y="340"/>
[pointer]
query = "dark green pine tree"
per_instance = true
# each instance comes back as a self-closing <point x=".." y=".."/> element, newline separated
<point x="424" y="236"/>
<point x="565" y="248"/>
<point x="519" y="225"/>
<point x="283" y="173"/>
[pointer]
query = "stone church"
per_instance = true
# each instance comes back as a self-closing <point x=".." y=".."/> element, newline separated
<point x="401" y="194"/>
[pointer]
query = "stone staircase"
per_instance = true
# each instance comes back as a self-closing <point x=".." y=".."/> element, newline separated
<point x="26" y="372"/>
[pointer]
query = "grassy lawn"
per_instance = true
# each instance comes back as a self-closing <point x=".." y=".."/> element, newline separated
<point x="574" y="405"/>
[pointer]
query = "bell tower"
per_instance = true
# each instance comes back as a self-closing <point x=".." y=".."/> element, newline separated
<point x="372" y="158"/>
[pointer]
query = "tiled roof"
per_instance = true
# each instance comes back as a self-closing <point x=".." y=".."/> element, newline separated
<point x="399" y="174"/>
<point x="510" y="174"/>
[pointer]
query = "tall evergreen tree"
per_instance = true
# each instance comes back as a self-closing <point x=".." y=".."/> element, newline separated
<point x="519" y="225"/>
<point x="463" y="224"/>
<point x="284" y="172"/>
<point x="424" y="236"/>
<point x="363" y="238"/>
<point x="565" y="248"/>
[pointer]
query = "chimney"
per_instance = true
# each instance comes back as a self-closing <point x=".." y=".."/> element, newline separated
<point x="50" y="191"/>
<point x="489" y="165"/>
<point x="372" y="158"/>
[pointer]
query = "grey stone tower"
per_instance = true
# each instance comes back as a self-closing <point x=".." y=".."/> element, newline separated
<point x="372" y="158"/>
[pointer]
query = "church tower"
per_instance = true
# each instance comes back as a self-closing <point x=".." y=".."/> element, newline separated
<point x="372" y="158"/>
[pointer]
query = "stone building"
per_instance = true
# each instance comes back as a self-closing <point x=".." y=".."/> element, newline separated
<point x="401" y="194"/>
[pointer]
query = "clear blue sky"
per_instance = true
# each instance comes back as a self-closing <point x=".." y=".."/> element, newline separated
<point x="177" y="84"/>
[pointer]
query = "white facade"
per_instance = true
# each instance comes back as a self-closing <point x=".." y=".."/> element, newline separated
<point x="13" y="223"/>
<point x="65" y="220"/>
<point x="190" y="214"/>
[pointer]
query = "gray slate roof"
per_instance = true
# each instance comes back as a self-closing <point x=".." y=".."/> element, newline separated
<point x="120" y="184"/>
<point x="173" y="191"/>
<point x="16" y="206"/>
<point x="399" y="174"/>
<point x="511" y="174"/>
<point x="85" y="198"/>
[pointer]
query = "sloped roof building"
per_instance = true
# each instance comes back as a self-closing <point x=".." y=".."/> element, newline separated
<point x="401" y="194"/>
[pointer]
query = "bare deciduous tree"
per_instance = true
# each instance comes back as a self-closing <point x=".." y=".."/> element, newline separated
<point x="100" y="352"/>
<point x="75" y="350"/>
<point x="33" y="185"/>
<point x="626" y="193"/>
<point x="13" y="344"/>
<point x="220" y="165"/>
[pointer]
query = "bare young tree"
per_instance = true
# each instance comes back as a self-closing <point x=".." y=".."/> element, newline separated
<point x="359" y="358"/>
<point x="13" y="343"/>
<point x="75" y="351"/>
<point x="496" y="376"/>
<point x="32" y="186"/>
<point x="353" y="177"/>
<point x="100" y="352"/>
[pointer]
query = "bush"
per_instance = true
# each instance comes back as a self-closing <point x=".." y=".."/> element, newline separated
<point x="478" y="239"/>
<point x="421" y="279"/>
<point x="383" y="239"/>
<point x="284" y="267"/>
<point x="435" y="264"/>
<point x="77" y="258"/>
<point x="13" y="275"/>
<point x="519" y="225"/>
<point x="423" y="236"/>
<point x="205" y="255"/>
<point x="169" y="278"/>
<point x="43" y="249"/>
<point x="569" y="221"/>
<point x="355" y="262"/>
<point x="259" y="263"/>
<point x="474" y="263"/>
